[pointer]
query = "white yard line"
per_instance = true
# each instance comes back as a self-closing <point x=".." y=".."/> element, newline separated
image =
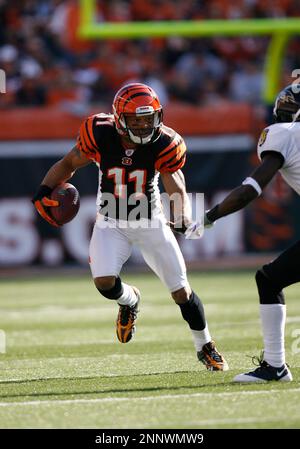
<point x="147" y="398"/>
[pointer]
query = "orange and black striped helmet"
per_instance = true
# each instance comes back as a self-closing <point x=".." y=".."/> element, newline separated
<point x="140" y="101"/>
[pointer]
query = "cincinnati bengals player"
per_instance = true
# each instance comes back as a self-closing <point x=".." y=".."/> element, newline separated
<point x="279" y="150"/>
<point x="132" y="147"/>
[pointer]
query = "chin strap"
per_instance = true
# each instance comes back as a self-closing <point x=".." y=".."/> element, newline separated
<point x="140" y="140"/>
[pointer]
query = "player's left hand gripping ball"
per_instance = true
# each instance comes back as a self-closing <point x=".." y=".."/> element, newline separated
<point x="42" y="202"/>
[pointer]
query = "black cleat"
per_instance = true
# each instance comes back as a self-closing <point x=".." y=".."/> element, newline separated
<point x="265" y="373"/>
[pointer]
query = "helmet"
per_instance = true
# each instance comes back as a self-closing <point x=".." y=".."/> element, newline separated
<point x="137" y="100"/>
<point x="287" y="104"/>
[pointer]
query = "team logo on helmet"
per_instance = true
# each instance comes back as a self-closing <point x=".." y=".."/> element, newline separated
<point x="287" y="98"/>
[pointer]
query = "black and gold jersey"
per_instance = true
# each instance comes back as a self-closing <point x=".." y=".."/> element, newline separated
<point x="128" y="174"/>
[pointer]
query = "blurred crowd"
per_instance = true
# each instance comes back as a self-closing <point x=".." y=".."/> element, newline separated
<point x="47" y="64"/>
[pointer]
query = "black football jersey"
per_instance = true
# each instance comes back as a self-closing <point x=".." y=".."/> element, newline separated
<point x="128" y="177"/>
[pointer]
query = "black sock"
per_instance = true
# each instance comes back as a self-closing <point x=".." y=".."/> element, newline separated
<point x="269" y="292"/>
<point x="193" y="312"/>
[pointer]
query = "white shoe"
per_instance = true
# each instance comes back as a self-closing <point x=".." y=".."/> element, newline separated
<point x="266" y="373"/>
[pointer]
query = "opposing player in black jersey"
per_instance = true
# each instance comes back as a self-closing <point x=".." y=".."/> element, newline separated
<point x="132" y="147"/>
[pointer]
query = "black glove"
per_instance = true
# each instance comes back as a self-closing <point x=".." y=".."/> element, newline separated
<point x="207" y="223"/>
<point x="42" y="202"/>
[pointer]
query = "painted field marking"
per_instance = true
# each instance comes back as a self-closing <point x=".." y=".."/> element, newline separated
<point x="146" y="398"/>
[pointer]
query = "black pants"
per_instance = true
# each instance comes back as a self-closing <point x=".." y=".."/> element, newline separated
<point x="285" y="270"/>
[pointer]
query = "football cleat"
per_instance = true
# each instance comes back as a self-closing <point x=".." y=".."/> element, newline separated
<point x="125" y="324"/>
<point x="265" y="373"/>
<point x="211" y="358"/>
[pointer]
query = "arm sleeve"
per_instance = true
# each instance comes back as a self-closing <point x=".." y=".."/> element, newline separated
<point x="275" y="139"/>
<point x="173" y="157"/>
<point x="86" y="142"/>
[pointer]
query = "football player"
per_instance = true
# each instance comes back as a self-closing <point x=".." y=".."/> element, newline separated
<point x="132" y="147"/>
<point x="279" y="150"/>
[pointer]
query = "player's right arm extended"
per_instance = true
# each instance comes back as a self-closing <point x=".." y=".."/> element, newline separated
<point x="249" y="190"/>
<point x="60" y="172"/>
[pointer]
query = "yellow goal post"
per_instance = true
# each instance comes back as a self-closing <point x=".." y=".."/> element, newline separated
<point x="280" y="31"/>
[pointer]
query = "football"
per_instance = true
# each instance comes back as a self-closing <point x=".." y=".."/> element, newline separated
<point x="69" y="201"/>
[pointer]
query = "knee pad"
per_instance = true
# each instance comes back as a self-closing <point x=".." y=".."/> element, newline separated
<point x="115" y="292"/>
<point x="269" y="291"/>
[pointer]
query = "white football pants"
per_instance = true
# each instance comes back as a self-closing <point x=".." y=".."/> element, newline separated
<point x="112" y="242"/>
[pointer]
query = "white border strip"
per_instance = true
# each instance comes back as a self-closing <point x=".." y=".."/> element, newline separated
<point x="58" y="148"/>
<point x="28" y="149"/>
<point x="219" y="144"/>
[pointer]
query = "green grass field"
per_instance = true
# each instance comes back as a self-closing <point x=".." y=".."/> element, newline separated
<point x="64" y="368"/>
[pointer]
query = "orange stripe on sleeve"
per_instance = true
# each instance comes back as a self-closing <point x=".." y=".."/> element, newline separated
<point x="172" y="154"/>
<point x="171" y="159"/>
<point x="86" y="142"/>
<point x="178" y="140"/>
<point x="85" y="139"/>
<point x="89" y="125"/>
<point x="176" y="166"/>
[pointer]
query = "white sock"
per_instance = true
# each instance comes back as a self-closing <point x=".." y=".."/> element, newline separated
<point x="128" y="298"/>
<point x="201" y="338"/>
<point x="273" y="324"/>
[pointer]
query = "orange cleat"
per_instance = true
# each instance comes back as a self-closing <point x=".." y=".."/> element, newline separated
<point x="125" y="324"/>
<point x="211" y="358"/>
